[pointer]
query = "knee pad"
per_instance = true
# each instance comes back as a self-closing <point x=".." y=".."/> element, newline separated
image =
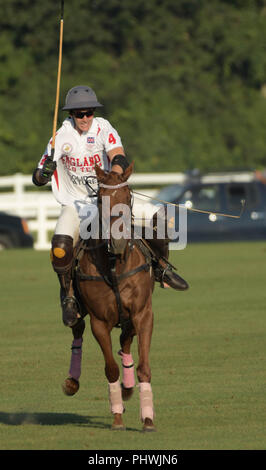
<point x="62" y="253"/>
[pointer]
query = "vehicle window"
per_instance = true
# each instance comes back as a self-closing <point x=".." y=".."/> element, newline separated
<point x="202" y="197"/>
<point x="238" y="192"/>
<point x="170" y="193"/>
<point x="253" y="195"/>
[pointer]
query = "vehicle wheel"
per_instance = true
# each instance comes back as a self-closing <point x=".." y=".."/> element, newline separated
<point x="5" y="242"/>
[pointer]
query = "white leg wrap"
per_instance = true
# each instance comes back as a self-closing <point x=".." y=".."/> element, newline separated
<point x="115" y="397"/>
<point x="146" y="401"/>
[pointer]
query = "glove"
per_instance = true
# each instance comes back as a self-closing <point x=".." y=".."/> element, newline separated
<point x="48" y="169"/>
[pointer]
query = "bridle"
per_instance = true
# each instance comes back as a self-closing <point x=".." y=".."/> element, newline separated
<point x="113" y="186"/>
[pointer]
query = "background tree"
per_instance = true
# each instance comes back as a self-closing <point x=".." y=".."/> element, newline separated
<point x="182" y="80"/>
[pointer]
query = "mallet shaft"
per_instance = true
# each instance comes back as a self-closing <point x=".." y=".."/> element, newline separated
<point x="58" y="77"/>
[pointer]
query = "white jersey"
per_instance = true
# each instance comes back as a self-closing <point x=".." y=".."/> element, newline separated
<point x="76" y="155"/>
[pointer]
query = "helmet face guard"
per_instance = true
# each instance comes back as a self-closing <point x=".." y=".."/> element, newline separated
<point x="81" y="97"/>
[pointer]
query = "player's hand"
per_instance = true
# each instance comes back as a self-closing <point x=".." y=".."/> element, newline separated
<point x="48" y="169"/>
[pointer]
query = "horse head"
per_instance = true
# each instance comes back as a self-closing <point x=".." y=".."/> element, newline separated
<point x="114" y="203"/>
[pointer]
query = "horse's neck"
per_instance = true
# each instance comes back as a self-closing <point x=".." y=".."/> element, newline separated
<point x="97" y="246"/>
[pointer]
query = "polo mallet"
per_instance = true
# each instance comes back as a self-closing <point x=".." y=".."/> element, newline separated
<point x="58" y="79"/>
<point x="197" y="210"/>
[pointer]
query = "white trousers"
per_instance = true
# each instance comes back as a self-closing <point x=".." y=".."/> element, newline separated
<point x="70" y="218"/>
<point x="68" y="223"/>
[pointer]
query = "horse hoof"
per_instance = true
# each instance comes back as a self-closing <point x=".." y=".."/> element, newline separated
<point x="118" y="423"/>
<point x="70" y="386"/>
<point x="118" y="427"/>
<point x="148" y="426"/>
<point x="149" y="429"/>
<point x="127" y="392"/>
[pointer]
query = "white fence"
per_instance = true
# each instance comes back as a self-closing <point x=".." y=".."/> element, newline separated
<point x="41" y="210"/>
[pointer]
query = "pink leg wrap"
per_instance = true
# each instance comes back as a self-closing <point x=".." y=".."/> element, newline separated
<point x="128" y="370"/>
<point x="146" y="401"/>
<point x="115" y="397"/>
<point x="75" y="364"/>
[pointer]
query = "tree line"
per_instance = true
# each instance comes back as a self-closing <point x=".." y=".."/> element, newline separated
<point x="183" y="81"/>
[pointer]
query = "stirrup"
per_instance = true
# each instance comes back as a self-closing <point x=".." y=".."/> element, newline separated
<point x="174" y="280"/>
<point x="161" y="280"/>
<point x="165" y="274"/>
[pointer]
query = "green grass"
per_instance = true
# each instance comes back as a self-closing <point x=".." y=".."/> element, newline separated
<point x="207" y="358"/>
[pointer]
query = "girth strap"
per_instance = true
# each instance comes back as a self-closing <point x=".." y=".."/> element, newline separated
<point x="111" y="279"/>
<point x="120" y="277"/>
<point x="113" y="283"/>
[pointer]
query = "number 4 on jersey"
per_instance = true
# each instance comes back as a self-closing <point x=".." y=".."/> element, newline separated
<point x="112" y="140"/>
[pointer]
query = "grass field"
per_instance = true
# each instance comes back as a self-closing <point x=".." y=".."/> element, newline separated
<point x="207" y="357"/>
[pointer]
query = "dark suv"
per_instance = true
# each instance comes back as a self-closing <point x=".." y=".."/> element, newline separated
<point x="221" y="193"/>
<point x="14" y="232"/>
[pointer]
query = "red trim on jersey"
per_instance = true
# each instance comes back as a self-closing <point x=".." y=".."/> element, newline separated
<point x="99" y="129"/>
<point x="43" y="159"/>
<point x="56" y="179"/>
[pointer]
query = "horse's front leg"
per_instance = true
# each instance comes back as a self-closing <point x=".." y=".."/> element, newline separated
<point x="128" y="378"/>
<point x="71" y="384"/>
<point x="102" y="334"/>
<point x="143" y="323"/>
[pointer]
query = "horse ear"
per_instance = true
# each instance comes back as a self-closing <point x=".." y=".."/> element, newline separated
<point x="99" y="173"/>
<point x="128" y="172"/>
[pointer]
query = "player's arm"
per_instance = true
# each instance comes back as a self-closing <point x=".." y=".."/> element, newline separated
<point x="42" y="176"/>
<point x="118" y="159"/>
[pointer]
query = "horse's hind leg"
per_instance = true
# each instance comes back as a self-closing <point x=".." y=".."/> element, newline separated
<point x="128" y="373"/>
<point x="102" y="335"/>
<point x="71" y="384"/>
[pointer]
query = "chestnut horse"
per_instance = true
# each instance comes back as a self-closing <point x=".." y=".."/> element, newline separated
<point x="114" y="284"/>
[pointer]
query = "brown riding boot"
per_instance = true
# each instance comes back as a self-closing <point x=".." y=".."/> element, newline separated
<point x="62" y="258"/>
<point x="69" y="304"/>
<point x="164" y="274"/>
<point x="163" y="270"/>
